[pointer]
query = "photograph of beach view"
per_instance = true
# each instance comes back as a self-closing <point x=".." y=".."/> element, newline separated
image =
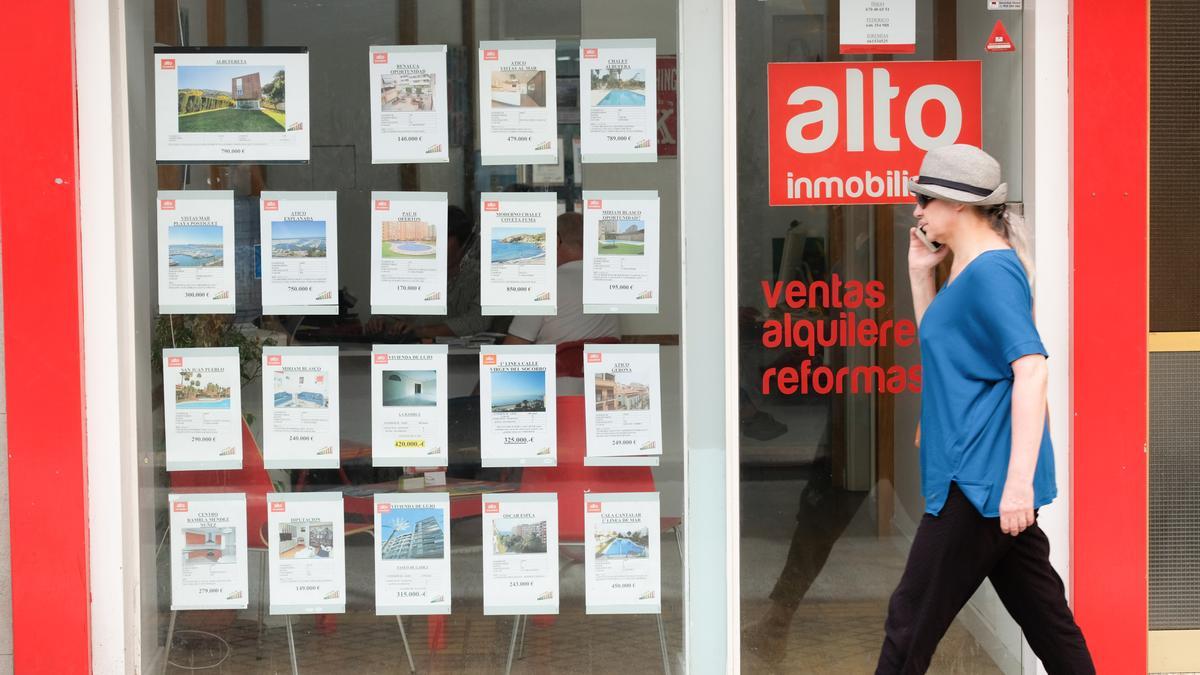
<point x="407" y="388"/>
<point x="628" y="544"/>
<point x="522" y="536"/>
<point x="197" y="390"/>
<point x="409" y="239"/>
<point x="195" y="246"/>
<point x="518" y="246"/>
<point x="614" y="87"/>
<point x="408" y="91"/>
<point x="518" y="391"/>
<point x="301" y="388"/>
<point x="519" y="89"/>
<point x="232" y="99"/>
<point x="412" y="534"/>
<point x="622" y="237"/>
<point x="298" y="238"/>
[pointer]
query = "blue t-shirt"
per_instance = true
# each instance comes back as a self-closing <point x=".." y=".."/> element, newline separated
<point x="971" y="333"/>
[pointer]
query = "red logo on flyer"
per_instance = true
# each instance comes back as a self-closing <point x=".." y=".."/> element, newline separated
<point x="167" y="64"/>
<point x="594" y="357"/>
<point x="489" y="359"/>
<point x="174" y="361"/>
<point x="166" y="204"/>
<point x="491" y="55"/>
<point x="179" y="507"/>
<point x="491" y="206"/>
<point x="591" y="53"/>
<point x="274" y="359"/>
<point x="383" y="204"/>
<point x="383" y="508"/>
<point x="379" y="57"/>
<point x="593" y="507"/>
<point x="491" y="507"/>
<point x="270" y="205"/>
<point x="278" y="507"/>
<point x="595" y="203"/>
<point x="381" y="358"/>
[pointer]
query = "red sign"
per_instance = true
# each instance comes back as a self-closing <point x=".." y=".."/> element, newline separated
<point x="383" y="508"/>
<point x="491" y="507"/>
<point x="667" y="79"/>
<point x="379" y="57"/>
<point x="274" y="359"/>
<point x="594" y="204"/>
<point x="174" y="361"/>
<point x="593" y="507"/>
<point x="181" y="507"/>
<point x="166" y="204"/>
<point x="270" y="205"/>
<point x="278" y="507"/>
<point x="491" y="206"/>
<point x="381" y="358"/>
<point x="489" y="359"/>
<point x="383" y="204"/>
<point x="853" y="133"/>
<point x="999" y="41"/>
<point x="167" y="64"/>
<point x="491" y="55"/>
<point x="591" y="53"/>
<point x="594" y="357"/>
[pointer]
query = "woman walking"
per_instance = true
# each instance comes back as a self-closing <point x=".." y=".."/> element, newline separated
<point x="986" y="460"/>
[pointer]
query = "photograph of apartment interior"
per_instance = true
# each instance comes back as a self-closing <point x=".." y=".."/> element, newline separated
<point x="305" y="540"/>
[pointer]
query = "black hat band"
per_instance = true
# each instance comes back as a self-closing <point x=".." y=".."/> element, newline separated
<point x="954" y="185"/>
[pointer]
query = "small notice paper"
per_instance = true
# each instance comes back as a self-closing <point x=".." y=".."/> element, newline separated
<point x="620" y="251"/>
<point x="408" y="252"/>
<point x="623" y="400"/>
<point x="518" y="109"/>
<point x="878" y="26"/>
<point x="306" y="535"/>
<point x="618" y="102"/>
<point x="408" y="403"/>
<point x="518" y="253"/>
<point x="518" y="410"/>
<point x="300" y="408"/>
<point x="195" y="252"/>
<point x="412" y="553"/>
<point x="408" y="104"/>
<point x="202" y="388"/>
<point x="208" y="551"/>
<point x="622" y="559"/>
<point x="299" y="252"/>
<point x="520" y="553"/>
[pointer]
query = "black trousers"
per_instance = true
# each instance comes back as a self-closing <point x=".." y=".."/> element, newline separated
<point x="951" y="555"/>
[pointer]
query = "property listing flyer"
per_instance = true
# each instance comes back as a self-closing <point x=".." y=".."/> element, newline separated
<point x="519" y="252"/>
<point x="412" y="553"/>
<point x="220" y="105"/>
<point x="518" y="110"/>
<point x="623" y="400"/>
<point x="618" y="104"/>
<point x="517" y="400"/>
<point x="622" y="564"/>
<point x="874" y="27"/>
<point x="208" y="551"/>
<point x="195" y="252"/>
<point x="520" y="553"/>
<point x="408" y="252"/>
<point x="202" y="407"/>
<point x="306" y="550"/>
<point x="300" y="408"/>
<point x="299" y="249"/>
<point x="620" y="251"/>
<point x="408" y="405"/>
<point x="408" y="104"/>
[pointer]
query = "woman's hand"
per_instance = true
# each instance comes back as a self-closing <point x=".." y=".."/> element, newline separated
<point x="1016" y="507"/>
<point x="920" y="258"/>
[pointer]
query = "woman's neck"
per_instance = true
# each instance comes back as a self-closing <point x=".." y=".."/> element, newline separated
<point x="971" y="238"/>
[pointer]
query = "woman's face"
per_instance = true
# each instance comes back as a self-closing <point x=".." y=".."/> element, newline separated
<point x="937" y="219"/>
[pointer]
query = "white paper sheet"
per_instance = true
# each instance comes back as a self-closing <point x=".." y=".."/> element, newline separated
<point x="620" y="251"/>
<point x="412" y="553"/>
<point x="408" y="252"/>
<point x="518" y="253"/>
<point x="195" y="252"/>
<point x="298" y="232"/>
<point x="408" y="405"/>
<point x="224" y="106"/>
<point x="208" y="551"/>
<point x="520" y="553"/>
<point x="202" y="410"/>
<point x="518" y="109"/>
<point x="518" y="408"/>
<point x="622" y="553"/>
<point x="408" y="104"/>
<point x="306" y="535"/>
<point x="623" y="400"/>
<point x="874" y="27"/>
<point x="300" y="408"/>
<point x="618" y="100"/>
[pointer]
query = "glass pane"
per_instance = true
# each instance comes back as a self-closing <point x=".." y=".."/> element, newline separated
<point x="830" y="486"/>
<point x="337" y="36"/>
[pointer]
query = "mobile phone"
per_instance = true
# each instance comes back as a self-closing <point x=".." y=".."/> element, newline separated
<point x="929" y="243"/>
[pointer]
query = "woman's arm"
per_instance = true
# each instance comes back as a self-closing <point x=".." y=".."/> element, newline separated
<point x="1028" y="422"/>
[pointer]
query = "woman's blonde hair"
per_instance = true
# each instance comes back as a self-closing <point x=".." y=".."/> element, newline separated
<point x="1011" y="226"/>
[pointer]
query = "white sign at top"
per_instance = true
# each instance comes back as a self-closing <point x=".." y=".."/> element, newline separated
<point x="878" y="26"/>
<point x="1004" y="4"/>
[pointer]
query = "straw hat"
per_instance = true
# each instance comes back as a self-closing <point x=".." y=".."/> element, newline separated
<point x="960" y="173"/>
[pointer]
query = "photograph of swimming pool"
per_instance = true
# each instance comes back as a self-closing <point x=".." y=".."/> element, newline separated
<point x="195" y="246"/>
<point x="618" y="87"/>
<point x="630" y="544"/>
<point x="409" y="239"/>
<point x="521" y="537"/>
<point x="301" y="389"/>
<point x="518" y="246"/>
<point x="622" y="237"/>
<point x="408" y="388"/>
<point x="298" y="238"/>
<point x="519" y="89"/>
<point x="197" y="390"/>
<point x="518" y="391"/>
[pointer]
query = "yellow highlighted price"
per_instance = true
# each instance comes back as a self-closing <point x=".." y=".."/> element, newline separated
<point x="416" y="443"/>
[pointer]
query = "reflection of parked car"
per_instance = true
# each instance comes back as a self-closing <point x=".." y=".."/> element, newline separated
<point x="282" y="397"/>
<point x="312" y="397"/>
